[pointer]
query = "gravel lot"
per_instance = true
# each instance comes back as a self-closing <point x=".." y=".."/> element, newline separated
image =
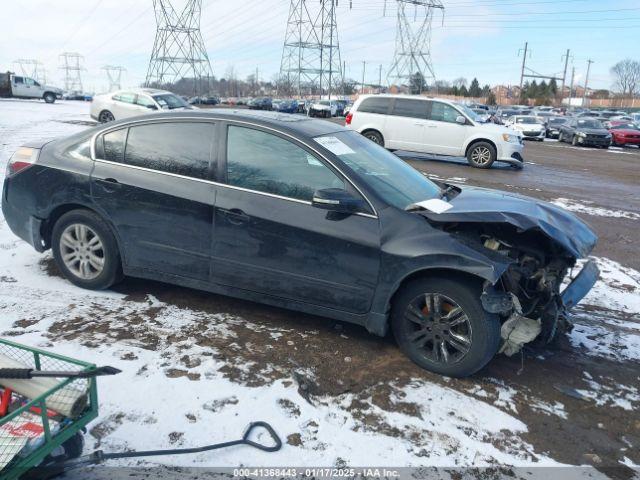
<point x="198" y="367"/>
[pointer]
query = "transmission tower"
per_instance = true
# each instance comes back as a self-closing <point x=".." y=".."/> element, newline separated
<point x="178" y="50"/>
<point x="114" y="74"/>
<point x="71" y="63"/>
<point x="311" y="52"/>
<point x="413" y="41"/>
<point x="32" y="69"/>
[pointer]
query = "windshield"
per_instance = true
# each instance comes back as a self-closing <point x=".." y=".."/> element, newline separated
<point x="528" y="120"/>
<point x="324" y="102"/>
<point x="393" y="180"/>
<point x="627" y="126"/>
<point x="169" y="101"/>
<point x="557" y="121"/>
<point x="589" y="124"/>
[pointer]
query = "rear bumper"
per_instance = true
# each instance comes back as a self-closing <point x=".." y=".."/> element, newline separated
<point x="580" y="285"/>
<point x="23" y="225"/>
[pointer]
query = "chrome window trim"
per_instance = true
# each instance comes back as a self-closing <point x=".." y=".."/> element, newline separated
<point x="218" y="119"/>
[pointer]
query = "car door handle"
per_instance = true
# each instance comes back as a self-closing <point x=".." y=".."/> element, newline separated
<point x="235" y="216"/>
<point x="108" y="184"/>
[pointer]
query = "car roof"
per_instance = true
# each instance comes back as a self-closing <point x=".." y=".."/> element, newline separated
<point x="286" y="122"/>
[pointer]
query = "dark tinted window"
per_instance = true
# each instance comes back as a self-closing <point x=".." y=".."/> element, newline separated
<point x="264" y="162"/>
<point x="113" y="145"/>
<point x="181" y="148"/>
<point x="410" y="108"/>
<point x="375" y="105"/>
<point x="17" y="80"/>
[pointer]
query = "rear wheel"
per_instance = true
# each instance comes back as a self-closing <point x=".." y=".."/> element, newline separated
<point x="374" y="136"/>
<point x="85" y="250"/>
<point x="441" y="326"/>
<point x="106" y="116"/>
<point x="481" y="155"/>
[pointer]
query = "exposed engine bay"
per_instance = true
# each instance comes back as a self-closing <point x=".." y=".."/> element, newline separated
<point x="527" y="296"/>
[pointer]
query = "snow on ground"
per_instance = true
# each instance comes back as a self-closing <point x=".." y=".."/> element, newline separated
<point x="175" y="389"/>
<point x="588" y="207"/>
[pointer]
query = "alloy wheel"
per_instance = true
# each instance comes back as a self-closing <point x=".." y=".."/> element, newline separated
<point x="106" y="117"/>
<point x="82" y="251"/>
<point x="374" y="138"/>
<point x="481" y="155"/>
<point x="441" y="328"/>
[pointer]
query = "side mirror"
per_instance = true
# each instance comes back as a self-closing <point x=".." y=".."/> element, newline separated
<point x="460" y="119"/>
<point x="336" y="200"/>
<point x="152" y="107"/>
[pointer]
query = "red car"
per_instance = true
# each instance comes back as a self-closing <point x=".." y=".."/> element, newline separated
<point x="625" y="133"/>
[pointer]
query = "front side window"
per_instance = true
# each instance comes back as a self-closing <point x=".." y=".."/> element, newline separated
<point x="396" y="182"/>
<point x="18" y="80"/>
<point x="169" y="101"/>
<point x="180" y="148"/>
<point x="264" y="162"/>
<point x="410" y="108"/>
<point x="29" y="81"/>
<point x="441" y="112"/>
<point x="375" y="105"/>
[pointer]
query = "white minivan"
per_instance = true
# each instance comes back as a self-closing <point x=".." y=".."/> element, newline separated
<point x="435" y="126"/>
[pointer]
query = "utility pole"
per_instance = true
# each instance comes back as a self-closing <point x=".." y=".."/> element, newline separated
<point x="524" y="64"/>
<point x="114" y="74"/>
<point x="573" y="76"/>
<point x="364" y="66"/>
<point x="564" y="75"/>
<point x="380" y="79"/>
<point x="586" y="82"/>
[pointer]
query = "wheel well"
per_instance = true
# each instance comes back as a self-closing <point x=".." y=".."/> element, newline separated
<point x="478" y="140"/>
<point x="431" y="273"/>
<point x="56" y="213"/>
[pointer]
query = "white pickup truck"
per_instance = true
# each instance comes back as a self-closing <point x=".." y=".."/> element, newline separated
<point x="16" y="86"/>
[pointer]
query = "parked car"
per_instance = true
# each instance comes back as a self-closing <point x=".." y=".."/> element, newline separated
<point x="532" y="128"/>
<point x="585" y="131"/>
<point x="623" y="134"/>
<point x="308" y="216"/>
<point x="553" y="126"/>
<point x="285" y="106"/>
<point x="482" y="114"/>
<point x="323" y="108"/>
<point x="635" y="116"/>
<point x="129" y="103"/>
<point x="18" y="86"/>
<point x="608" y="124"/>
<point x="441" y="127"/>
<point x="204" y="100"/>
<point x="262" y="103"/>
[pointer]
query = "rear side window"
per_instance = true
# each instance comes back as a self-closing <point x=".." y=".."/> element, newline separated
<point x="113" y="146"/>
<point x="267" y="163"/>
<point x="410" y="108"/>
<point x="375" y="105"/>
<point x="125" y="97"/>
<point x="180" y="148"/>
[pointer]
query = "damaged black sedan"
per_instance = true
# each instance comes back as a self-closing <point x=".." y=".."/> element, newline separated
<point x="306" y="215"/>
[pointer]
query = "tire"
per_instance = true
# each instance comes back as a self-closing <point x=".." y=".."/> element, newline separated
<point x="74" y="446"/>
<point x="560" y="137"/>
<point x="374" y="136"/>
<point x="574" y="141"/>
<point x="49" y="97"/>
<point x="481" y="329"/>
<point x="106" y="116"/>
<point x="481" y="155"/>
<point x="94" y="265"/>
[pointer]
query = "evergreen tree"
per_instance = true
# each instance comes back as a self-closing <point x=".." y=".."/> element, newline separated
<point x="463" y="91"/>
<point x="474" y="89"/>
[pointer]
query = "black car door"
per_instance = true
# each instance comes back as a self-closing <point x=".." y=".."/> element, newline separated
<point x="152" y="182"/>
<point x="268" y="237"/>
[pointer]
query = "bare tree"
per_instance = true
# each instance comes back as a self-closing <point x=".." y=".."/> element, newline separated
<point x="627" y="77"/>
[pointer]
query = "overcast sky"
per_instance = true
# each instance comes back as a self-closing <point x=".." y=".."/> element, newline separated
<point x="476" y="38"/>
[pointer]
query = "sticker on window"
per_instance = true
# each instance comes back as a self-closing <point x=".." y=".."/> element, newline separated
<point x="334" y="145"/>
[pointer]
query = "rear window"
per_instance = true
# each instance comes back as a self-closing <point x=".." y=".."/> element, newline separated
<point x="375" y="105"/>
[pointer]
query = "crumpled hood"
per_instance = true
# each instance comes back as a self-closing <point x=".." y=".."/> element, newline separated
<point x="592" y="131"/>
<point x="481" y="205"/>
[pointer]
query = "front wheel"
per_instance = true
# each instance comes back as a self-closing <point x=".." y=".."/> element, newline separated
<point x="85" y="250"/>
<point x="49" y="97"/>
<point x="574" y="141"/>
<point x="440" y="325"/>
<point x="481" y="155"/>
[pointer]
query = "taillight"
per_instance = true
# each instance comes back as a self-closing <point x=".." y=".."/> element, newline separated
<point x="22" y="159"/>
<point x="348" y="118"/>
